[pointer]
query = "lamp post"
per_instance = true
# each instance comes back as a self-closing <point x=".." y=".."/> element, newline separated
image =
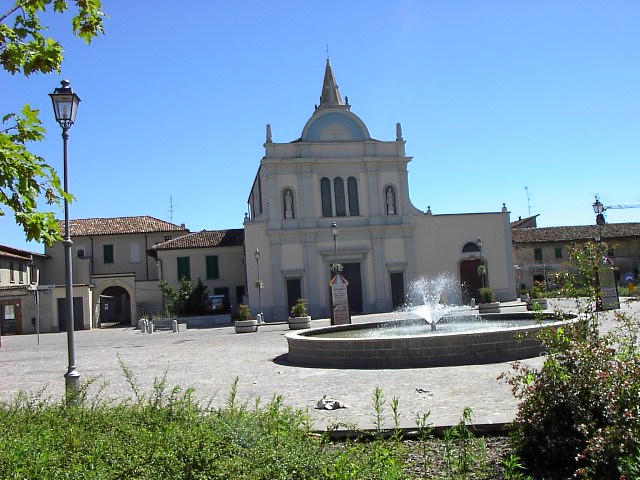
<point x="65" y="106"/>
<point x="259" y="283"/>
<point x="334" y="233"/>
<point x="599" y="209"/>
<point x="482" y="269"/>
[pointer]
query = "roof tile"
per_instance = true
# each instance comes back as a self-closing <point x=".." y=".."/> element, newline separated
<point x="119" y="225"/>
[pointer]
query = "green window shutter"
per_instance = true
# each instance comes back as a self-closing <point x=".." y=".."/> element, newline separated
<point x="107" y="252"/>
<point x="213" y="269"/>
<point x="184" y="268"/>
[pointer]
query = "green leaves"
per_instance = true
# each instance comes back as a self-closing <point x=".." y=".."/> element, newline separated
<point x="24" y="48"/>
<point x="25" y="177"/>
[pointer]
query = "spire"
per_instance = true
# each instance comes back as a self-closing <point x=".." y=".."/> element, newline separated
<point x="330" y="97"/>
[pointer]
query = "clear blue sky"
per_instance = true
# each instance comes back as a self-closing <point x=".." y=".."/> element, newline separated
<point x="493" y="97"/>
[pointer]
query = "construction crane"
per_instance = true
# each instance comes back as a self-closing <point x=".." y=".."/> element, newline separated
<point x="599" y="209"/>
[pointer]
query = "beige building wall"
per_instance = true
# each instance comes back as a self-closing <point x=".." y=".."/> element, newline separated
<point x="230" y="266"/>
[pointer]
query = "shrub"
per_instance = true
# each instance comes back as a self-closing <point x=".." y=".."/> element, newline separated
<point x="579" y="414"/>
<point x="299" y="309"/>
<point x="245" y="312"/>
<point x="486" y="295"/>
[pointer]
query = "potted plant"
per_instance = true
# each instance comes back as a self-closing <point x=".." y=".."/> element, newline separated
<point x="487" y="301"/>
<point x="299" y="318"/>
<point x="245" y="322"/>
<point x="536" y="300"/>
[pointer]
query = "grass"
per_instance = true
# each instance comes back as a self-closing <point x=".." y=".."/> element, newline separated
<point x="167" y="433"/>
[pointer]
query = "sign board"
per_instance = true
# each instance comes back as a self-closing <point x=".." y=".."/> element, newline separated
<point x="339" y="301"/>
<point x="608" y="289"/>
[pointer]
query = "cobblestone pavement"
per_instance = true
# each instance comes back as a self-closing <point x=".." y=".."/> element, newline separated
<point x="210" y="359"/>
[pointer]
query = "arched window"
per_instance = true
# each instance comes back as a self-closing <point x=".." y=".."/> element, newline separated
<point x="325" y="193"/>
<point x="352" y="188"/>
<point x="338" y="188"/>
<point x="287" y="201"/>
<point x="470" y="247"/>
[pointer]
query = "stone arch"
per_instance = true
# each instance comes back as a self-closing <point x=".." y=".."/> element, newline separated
<point x="115" y="307"/>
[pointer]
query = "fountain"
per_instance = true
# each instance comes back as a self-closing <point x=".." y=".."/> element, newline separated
<point x="433" y="330"/>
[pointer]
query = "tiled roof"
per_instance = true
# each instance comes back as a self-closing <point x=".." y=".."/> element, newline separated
<point x="575" y="234"/>
<point x="524" y="222"/>
<point x="205" y="238"/>
<point x="11" y="252"/>
<point x="119" y="225"/>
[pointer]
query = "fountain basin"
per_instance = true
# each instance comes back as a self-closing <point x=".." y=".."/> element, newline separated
<point x="475" y="346"/>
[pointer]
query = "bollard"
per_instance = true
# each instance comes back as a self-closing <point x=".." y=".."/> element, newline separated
<point x="174" y="325"/>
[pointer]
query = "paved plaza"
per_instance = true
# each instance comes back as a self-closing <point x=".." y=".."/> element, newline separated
<point x="210" y="359"/>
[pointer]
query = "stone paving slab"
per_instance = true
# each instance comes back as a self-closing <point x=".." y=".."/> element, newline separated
<point x="210" y="359"/>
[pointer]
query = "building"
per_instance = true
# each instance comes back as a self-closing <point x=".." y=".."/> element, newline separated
<point x="19" y="295"/>
<point x="539" y="253"/>
<point x="115" y="281"/>
<point x="336" y="172"/>
<point x="214" y="256"/>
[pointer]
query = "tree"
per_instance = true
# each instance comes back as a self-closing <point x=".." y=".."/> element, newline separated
<point x="24" y="49"/>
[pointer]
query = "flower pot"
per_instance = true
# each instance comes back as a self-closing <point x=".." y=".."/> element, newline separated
<point x="542" y="302"/>
<point x="298" y="323"/>
<point x="524" y="297"/>
<point x="246" y="326"/>
<point x="493" y="307"/>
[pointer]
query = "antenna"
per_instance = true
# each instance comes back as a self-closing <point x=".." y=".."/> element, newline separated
<point x="171" y="209"/>
<point x="528" y="202"/>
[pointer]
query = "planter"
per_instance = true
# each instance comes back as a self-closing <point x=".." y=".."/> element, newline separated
<point x="537" y="301"/>
<point x="493" y="307"/>
<point x="298" y="323"/>
<point x="246" y="326"/>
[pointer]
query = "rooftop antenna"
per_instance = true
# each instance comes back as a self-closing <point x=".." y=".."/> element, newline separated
<point x="528" y="202"/>
<point x="171" y="208"/>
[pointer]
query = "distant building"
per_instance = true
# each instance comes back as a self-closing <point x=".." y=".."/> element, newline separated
<point x="539" y="253"/>
<point x="336" y="172"/>
<point x="214" y="256"/>
<point x="115" y="281"/>
<point x="19" y="283"/>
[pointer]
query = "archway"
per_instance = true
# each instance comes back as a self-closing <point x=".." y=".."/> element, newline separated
<point x="115" y="307"/>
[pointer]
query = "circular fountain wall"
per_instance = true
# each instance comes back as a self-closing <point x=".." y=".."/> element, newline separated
<point x="315" y="348"/>
<point x="433" y="306"/>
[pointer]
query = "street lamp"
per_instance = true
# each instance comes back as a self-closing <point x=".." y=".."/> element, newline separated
<point x="259" y="283"/>
<point x="599" y="209"/>
<point x="482" y="270"/>
<point x="65" y="106"/>
<point x="334" y="233"/>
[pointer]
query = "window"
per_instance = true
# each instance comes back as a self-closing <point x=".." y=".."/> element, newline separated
<point x="345" y="198"/>
<point x="184" y="268"/>
<point x="537" y="254"/>
<point x="167" y="238"/>
<point x="325" y="193"/>
<point x="135" y="253"/>
<point x="21" y="272"/>
<point x="558" y="251"/>
<point x="213" y="269"/>
<point x="107" y="253"/>
<point x="470" y="247"/>
<point x="12" y="272"/>
<point x="354" y="206"/>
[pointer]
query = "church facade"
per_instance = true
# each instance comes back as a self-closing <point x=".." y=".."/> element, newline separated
<point x="337" y="173"/>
